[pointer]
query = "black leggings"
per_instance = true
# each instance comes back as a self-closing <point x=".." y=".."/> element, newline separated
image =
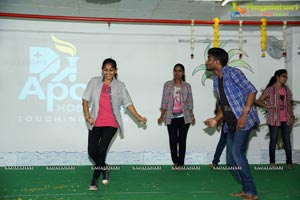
<point x="177" y="138"/>
<point x="98" y="143"/>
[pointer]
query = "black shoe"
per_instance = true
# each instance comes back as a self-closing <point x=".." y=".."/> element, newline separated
<point x="105" y="177"/>
<point x="94" y="185"/>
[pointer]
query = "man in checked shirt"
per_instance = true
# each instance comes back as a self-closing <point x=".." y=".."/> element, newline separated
<point x="236" y="96"/>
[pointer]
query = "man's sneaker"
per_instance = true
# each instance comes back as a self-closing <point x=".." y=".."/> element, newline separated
<point x="175" y="166"/>
<point x="106" y="178"/>
<point x="212" y="166"/>
<point x="94" y="185"/>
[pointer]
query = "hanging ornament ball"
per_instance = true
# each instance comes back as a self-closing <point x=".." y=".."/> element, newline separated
<point x="284" y="53"/>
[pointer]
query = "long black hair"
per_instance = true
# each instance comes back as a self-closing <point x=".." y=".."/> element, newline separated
<point x="273" y="79"/>
<point x="112" y="62"/>
<point x="182" y="68"/>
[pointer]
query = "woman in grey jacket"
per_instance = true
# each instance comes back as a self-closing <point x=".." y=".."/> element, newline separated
<point x="177" y="113"/>
<point x="101" y="103"/>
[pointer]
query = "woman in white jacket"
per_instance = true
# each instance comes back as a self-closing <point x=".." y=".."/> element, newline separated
<point x="104" y="95"/>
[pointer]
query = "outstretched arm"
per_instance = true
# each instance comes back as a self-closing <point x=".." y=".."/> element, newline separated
<point x="211" y="122"/>
<point x="133" y="111"/>
<point x="261" y="102"/>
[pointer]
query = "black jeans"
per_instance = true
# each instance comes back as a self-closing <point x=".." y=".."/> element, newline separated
<point x="177" y="138"/>
<point x="98" y="143"/>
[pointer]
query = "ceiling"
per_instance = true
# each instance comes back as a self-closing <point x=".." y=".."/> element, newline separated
<point x="138" y="9"/>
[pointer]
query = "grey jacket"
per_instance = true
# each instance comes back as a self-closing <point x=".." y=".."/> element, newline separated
<point x="119" y="96"/>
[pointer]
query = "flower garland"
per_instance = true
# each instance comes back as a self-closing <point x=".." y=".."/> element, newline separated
<point x="241" y="39"/>
<point x="192" y="39"/>
<point x="263" y="36"/>
<point x="216" y="32"/>
<point x="284" y="39"/>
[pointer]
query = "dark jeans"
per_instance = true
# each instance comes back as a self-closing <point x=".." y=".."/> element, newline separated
<point x="285" y="132"/>
<point x="98" y="143"/>
<point x="220" y="147"/>
<point x="237" y="143"/>
<point x="177" y="138"/>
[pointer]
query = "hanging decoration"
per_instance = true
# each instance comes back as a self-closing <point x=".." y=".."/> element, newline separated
<point x="284" y="39"/>
<point x="263" y="36"/>
<point x="241" y="39"/>
<point x="192" y="38"/>
<point x="216" y="32"/>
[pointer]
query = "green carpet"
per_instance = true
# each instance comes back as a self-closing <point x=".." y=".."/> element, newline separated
<point x="143" y="183"/>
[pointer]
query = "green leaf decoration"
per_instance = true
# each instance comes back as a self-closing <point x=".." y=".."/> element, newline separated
<point x="233" y="52"/>
<point x="233" y="63"/>
<point x="264" y="124"/>
<point x="240" y="63"/>
<point x="208" y="47"/>
<point x="295" y="103"/>
<point x="199" y="68"/>
<point x="221" y="45"/>
<point x="206" y="75"/>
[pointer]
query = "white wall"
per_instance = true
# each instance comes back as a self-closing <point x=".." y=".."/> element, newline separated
<point x="145" y="55"/>
<point x="293" y="57"/>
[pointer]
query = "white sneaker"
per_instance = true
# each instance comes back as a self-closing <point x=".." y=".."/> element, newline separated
<point x="105" y="174"/>
<point x="94" y="185"/>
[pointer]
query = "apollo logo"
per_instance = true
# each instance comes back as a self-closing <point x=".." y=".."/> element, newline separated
<point x="52" y="78"/>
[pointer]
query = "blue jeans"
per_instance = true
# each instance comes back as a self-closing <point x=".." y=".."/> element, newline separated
<point x="237" y="143"/>
<point x="285" y="132"/>
<point x="220" y="147"/>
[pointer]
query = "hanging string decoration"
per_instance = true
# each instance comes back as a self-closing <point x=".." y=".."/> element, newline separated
<point x="284" y="39"/>
<point x="241" y="38"/>
<point x="216" y="32"/>
<point x="263" y="30"/>
<point x="192" y="38"/>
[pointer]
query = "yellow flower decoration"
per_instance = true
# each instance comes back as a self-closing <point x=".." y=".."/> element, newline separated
<point x="263" y="36"/>
<point x="216" y="32"/>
